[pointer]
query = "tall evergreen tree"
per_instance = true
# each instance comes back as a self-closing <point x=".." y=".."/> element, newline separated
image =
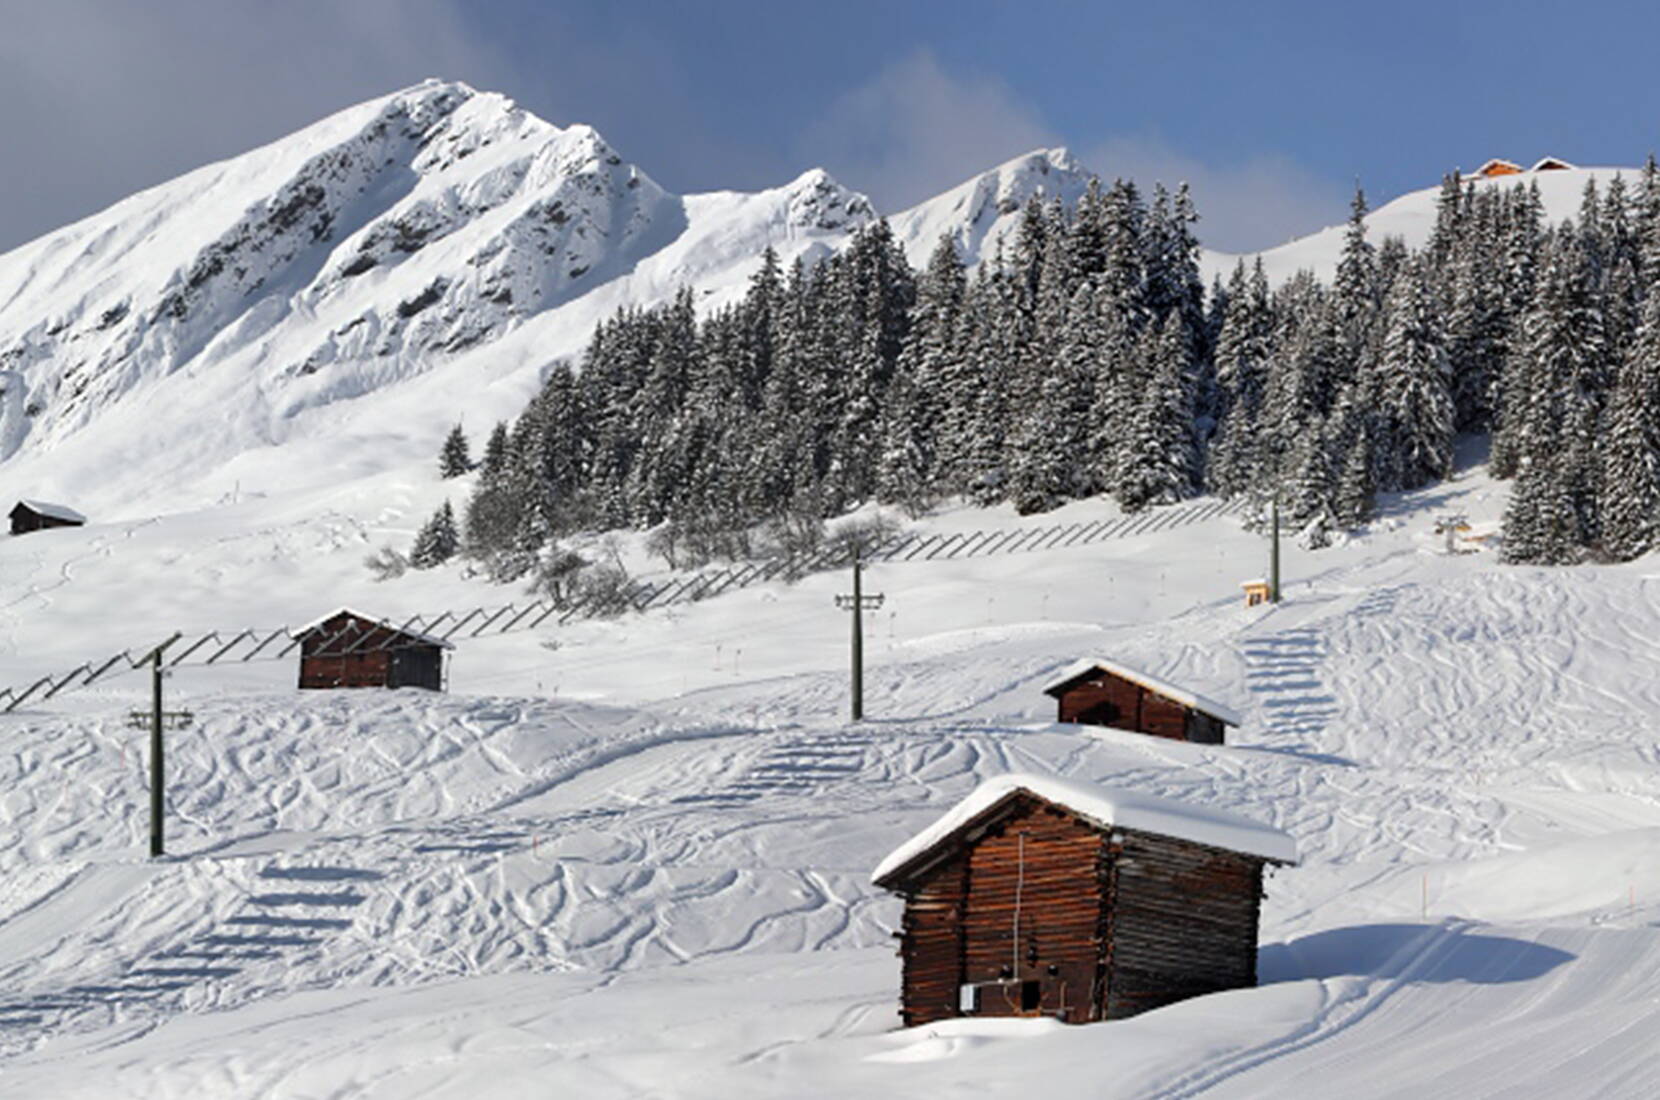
<point x="1415" y="388"/>
<point x="437" y="541"/>
<point x="453" y="459"/>
<point x="1160" y="465"/>
<point x="495" y="452"/>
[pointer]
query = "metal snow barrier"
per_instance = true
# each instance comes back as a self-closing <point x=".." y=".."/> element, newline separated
<point x="258" y="644"/>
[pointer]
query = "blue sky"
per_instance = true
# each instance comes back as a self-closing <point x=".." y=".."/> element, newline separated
<point x="1271" y="110"/>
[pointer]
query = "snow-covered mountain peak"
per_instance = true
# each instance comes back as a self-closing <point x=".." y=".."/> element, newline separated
<point x="980" y="212"/>
<point x="817" y="201"/>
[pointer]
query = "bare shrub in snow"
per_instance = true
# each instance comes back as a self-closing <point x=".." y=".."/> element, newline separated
<point x="386" y="564"/>
<point x="603" y="590"/>
<point x="863" y="534"/>
<point x="556" y="574"/>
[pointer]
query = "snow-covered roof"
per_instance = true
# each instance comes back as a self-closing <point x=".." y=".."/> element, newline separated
<point x="1498" y="165"/>
<point x="1151" y="683"/>
<point x="1545" y="164"/>
<point x="387" y="623"/>
<point x="1107" y="808"/>
<point x="55" y="511"/>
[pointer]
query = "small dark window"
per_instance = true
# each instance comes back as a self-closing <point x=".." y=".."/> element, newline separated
<point x="1029" y="997"/>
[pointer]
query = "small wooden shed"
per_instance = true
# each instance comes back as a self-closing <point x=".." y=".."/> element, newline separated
<point x="1257" y="591"/>
<point x="1038" y="896"/>
<point x="1550" y="164"/>
<point x="1100" y="692"/>
<point x="348" y="649"/>
<point x="38" y="515"/>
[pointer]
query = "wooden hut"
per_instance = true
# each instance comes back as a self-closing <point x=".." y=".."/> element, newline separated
<point x="1099" y="692"/>
<point x="348" y="649"/>
<point x="1257" y="591"/>
<point x="38" y="515"/>
<point x="1550" y="164"/>
<point x="1038" y="896"/>
<point x="1497" y="167"/>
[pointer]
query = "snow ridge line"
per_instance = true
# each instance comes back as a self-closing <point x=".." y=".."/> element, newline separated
<point x="639" y="596"/>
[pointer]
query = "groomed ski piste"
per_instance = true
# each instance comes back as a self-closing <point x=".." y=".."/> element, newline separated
<point x="632" y="857"/>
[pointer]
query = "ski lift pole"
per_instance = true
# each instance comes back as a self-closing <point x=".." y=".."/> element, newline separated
<point x="158" y="766"/>
<point x="1274" y="554"/>
<point x="858" y="604"/>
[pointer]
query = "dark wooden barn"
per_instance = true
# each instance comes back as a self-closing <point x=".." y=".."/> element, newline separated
<point x="1042" y="897"/>
<point x="1099" y="692"/>
<point x="38" y="515"/>
<point x="348" y="649"/>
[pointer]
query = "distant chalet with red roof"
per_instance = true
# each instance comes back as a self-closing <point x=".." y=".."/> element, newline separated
<point x="1497" y="167"/>
<point x="1097" y="691"/>
<point x="347" y="649"/>
<point x="1041" y="896"/>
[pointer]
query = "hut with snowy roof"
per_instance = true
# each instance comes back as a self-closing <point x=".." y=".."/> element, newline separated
<point x="1038" y="896"/>
<point x="1550" y="164"/>
<point x="1100" y="692"/>
<point x="348" y="649"/>
<point x="38" y="515"/>
<point x="1498" y="167"/>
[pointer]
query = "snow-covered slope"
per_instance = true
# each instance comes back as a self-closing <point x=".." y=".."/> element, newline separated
<point x="1411" y="217"/>
<point x="374" y="276"/>
<point x="633" y="857"/>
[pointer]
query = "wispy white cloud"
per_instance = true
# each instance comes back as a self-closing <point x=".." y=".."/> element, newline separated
<point x="1244" y="206"/>
<point x="915" y="130"/>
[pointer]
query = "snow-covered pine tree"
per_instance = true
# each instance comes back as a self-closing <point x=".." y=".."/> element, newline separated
<point x="453" y="459"/>
<point x="1242" y="349"/>
<point x="1161" y="464"/>
<point x="1356" y="301"/>
<point x="1123" y="274"/>
<point x="655" y="476"/>
<point x="1116" y="383"/>
<point x="1447" y="238"/>
<point x="932" y="358"/>
<point x="1087" y="244"/>
<point x="1520" y="217"/>
<point x="1354" y="502"/>
<point x="1309" y="486"/>
<point x="1621" y="287"/>
<point x="1541" y="526"/>
<point x="1474" y="324"/>
<point x="902" y="469"/>
<point x="437" y="541"/>
<point x="1305" y="343"/>
<point x="981" y="441"/>
<point x="1415" y="387"/>
<point x="558" y="447"/>
<point x="1392" y="258"/>
<point x="1049" y="447"/>
<point x="1629" y="489"/>
<point x="495" y="452"/>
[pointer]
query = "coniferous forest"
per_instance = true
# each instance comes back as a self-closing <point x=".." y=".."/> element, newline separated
<point x="1088" y="357"/>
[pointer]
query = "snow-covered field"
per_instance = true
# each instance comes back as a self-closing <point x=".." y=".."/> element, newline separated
<point x="631" y="858"/>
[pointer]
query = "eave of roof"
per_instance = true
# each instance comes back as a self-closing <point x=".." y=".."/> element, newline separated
<point x="56" y="511"/>
<point x="1104" y="807"/>
<point x="1165" y="688"/>
<point x="387" y="623"/>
